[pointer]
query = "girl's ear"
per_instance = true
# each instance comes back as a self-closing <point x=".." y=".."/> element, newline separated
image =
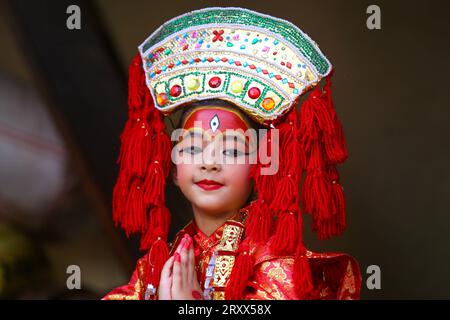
<point x="175" y="175"/>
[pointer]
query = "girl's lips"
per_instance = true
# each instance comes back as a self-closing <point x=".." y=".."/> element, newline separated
<point x="209" y="185"/>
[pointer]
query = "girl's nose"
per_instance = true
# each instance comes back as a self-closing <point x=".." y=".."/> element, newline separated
<point x="210" y="162"/>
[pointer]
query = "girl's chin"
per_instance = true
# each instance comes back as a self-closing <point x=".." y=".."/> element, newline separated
<point x="211" y="205"/>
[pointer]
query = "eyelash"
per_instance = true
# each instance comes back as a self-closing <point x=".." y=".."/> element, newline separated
<point x="236" y="153"/>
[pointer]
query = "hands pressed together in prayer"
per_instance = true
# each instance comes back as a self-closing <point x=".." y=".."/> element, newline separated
<point x="178" y="276"/>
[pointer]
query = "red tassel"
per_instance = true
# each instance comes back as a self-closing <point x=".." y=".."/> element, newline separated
<point x="158" y="226"/>
<point x="264" y="187"/>
<point x="259" y="222"/>
<point x="284" y="240"/>
<point x="323" y="145"/>
<point x="154" y="184"/>
<point x="159" y="253"/>
<point x="241" y="273"/>
<point x="302" y="271"/>
<point x="315" y="193"/>
<point x="302" y="277"/>
<point x="289" y="146"/>
<point x="337" y="204"/>
<point x="136" y="149"/>
<point x="334" y="141"/>
<point x="285" y="195"/>
<point x="308" y="129"/>
<point x="136" y="146"/>
<point x="134" y="216"/>
<point x="163" y="144"/>
<point x="136" y="83"/>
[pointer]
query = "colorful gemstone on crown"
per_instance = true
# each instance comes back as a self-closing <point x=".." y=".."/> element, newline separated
<point x="268" y="103"/>
<point x="215" y="82"/>
<point x="254" y="93"/>
<point x="161" y="99"/>
<point x="176" y="90"/>
<point x="237" y="86"/>
<point x="193" y="83"/>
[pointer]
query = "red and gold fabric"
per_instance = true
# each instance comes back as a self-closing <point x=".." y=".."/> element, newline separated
<point x="335" y="275"/>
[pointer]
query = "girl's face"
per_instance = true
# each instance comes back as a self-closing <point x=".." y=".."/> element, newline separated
<point x="213" y="160"/>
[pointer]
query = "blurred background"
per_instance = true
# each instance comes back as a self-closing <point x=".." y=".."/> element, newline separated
<point x="63" y="106"/>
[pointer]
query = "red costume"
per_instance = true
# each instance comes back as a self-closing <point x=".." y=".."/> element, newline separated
<point x="262" y="65"/>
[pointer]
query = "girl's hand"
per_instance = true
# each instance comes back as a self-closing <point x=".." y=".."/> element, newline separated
<point x="185" y="285"/>
<point x="165" y="284"/>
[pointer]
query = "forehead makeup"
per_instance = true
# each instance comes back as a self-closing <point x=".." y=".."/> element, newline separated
<point x="215" y="120"/>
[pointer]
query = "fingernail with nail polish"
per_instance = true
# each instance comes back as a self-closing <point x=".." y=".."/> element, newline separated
<point x="176" y="257"/>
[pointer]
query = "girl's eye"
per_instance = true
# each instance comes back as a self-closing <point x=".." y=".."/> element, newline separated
<point x="192" y="150"/>
<point x="233" y="153"/>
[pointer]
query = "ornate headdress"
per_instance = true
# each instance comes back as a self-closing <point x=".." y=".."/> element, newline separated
<point x="263" y="65"/>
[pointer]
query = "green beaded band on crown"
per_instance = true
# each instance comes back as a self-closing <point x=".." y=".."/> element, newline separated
<point x="196" y="84"/>
<point x="243" y="17"/>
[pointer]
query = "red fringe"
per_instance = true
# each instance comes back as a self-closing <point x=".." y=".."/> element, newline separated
<point x="302" y="276"/>
<point x="129" y="208"/>
<point x="337" y="223"/>
<point x="286" y="236"/>
<point x="334" y="142"/>
<point x="259" y="222"/>
<point x="241" y="273"/>
<point x="154" y="184"/>
<point x="158" y="227"/>
<point x="285" y="195"/>
<point x="308" y="129"/>
<point x="324" y="145"/>
<point x="136" y="146"/>
<point x="315" y="189"/>
<point x="290" y="163"/>
<point x="159" y="253"/>
<point x="302" y="271"/>
<point x="163" y="145"/>
<point x="133" y="218"/>
<point x="136" y="82"/>
<point x="145" y="160"/>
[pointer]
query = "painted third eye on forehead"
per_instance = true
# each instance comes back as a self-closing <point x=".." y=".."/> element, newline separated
<point x="214" y="121"/>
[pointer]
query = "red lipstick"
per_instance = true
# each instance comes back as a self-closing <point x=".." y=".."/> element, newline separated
<point x="208" y="185"/>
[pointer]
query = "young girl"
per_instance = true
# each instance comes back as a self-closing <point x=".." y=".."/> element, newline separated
<point x="233" y="71"/>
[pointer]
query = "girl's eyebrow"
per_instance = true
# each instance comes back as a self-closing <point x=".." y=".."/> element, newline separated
<point x="190" y="134"/>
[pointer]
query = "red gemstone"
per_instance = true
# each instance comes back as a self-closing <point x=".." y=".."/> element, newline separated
<point x="214" y="82"/>
<point x="254" y="93"/>
<point x="175" y="91"/>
